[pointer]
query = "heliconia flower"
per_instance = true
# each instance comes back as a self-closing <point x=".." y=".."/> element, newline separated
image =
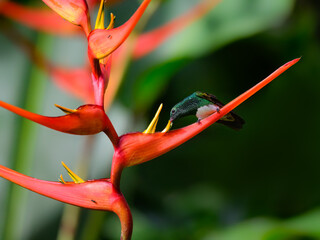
<point x="137" y="148"/>
<point x="86" y="120"/>
<point x="148" y="42"/>
<point x="102" y="42"/>
<point x="92" y="194"/>
<point x="75" y="11"/>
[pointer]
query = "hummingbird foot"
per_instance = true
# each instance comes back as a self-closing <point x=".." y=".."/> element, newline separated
<point x="218" y="110"/>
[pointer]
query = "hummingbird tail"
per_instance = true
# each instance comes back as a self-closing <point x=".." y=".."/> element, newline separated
<point x="232" y="120"/>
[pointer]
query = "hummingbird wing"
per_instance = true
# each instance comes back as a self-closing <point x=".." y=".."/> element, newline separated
<point x="211" y="98"/>
<point x="231" y="119"/>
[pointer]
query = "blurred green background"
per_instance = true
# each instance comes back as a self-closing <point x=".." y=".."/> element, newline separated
<point x="258" y="183"/>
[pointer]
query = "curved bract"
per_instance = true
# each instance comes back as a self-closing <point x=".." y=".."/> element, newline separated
<point x="136" y="148"/>
<point x="100" y="191"/>
<point x="85" y="120"/>
<point x="95" y="194"/>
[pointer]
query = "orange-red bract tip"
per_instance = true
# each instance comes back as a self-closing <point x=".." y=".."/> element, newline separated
<point x="75" y="11"/>
<point x="136" y="148"/>
<point x="88" y="119"/>
<point x="292" y="62"/>
<point x="103" y="42"/>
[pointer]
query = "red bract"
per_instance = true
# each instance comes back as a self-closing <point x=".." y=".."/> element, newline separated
<point x="96" y="194"/>
<point x="137" y="148"/>
<point x="85" y="120"/>
<point x="103" y="42"/>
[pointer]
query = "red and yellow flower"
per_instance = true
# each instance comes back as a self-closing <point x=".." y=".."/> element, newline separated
<point x="129" y="149"/>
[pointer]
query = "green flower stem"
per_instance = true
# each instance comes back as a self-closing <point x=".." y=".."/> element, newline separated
<point x="25" y="144"/>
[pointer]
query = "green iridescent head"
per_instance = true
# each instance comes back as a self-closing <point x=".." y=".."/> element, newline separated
<point x="187" y="106"/>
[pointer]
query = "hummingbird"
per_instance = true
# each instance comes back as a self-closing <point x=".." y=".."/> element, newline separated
<point x="203" y="105"/>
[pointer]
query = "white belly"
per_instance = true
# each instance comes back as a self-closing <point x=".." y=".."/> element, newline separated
<point x="206" y="111"/>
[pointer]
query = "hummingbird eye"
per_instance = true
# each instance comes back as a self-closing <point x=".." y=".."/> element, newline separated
<point x="173" y="111"/>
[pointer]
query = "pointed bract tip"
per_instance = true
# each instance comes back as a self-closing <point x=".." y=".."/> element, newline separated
<point x="292" y="62"/>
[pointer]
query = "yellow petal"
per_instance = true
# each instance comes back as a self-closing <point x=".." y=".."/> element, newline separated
<point x="74" y="176"/>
